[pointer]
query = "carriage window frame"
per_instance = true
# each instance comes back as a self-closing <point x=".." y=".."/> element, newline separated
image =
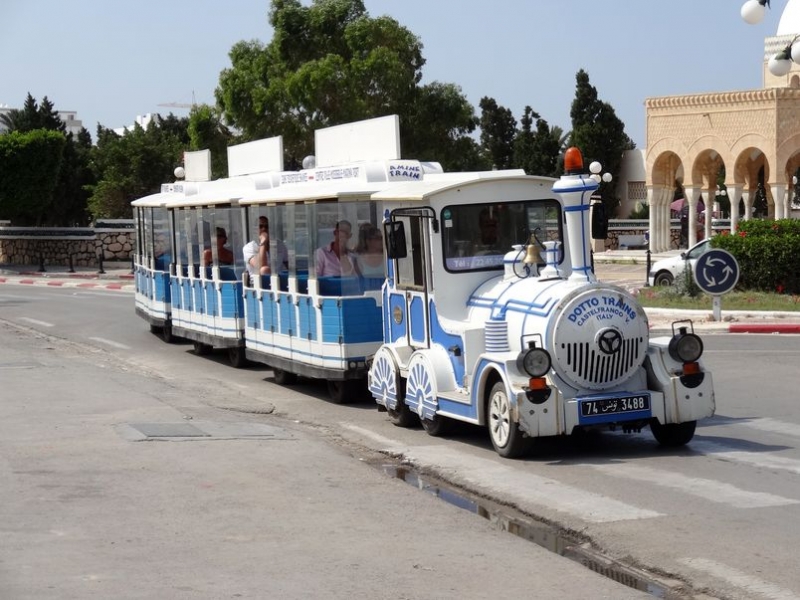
<point x="512" y="232"/>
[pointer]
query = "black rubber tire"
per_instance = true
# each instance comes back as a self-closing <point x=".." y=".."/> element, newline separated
<point x="674" y="434"/>
<point x="663" y="278"/>
<point x="237" y="357"/>
<point x="437" y="426"/>
<point x="284" y="377"/>
<point x="201" y="349"/>
<point x="345" y="391"/>
<point x="166" y="333"/>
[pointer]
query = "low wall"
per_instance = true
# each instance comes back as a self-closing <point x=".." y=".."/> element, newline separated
<point x="112" y="240"/>
<point x="618" y="227"/>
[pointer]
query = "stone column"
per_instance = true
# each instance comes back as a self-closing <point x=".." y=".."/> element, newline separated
<point x="653" y="224"/>
<point x="748" y="205"/>
<point x="708" y="214"/>
<point x="779" y="198"/>
<point x="734" y="191"/>
<point x="692" y="195"/>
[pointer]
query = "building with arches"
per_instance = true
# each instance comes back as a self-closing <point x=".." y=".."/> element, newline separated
<point x="746" y="142"/>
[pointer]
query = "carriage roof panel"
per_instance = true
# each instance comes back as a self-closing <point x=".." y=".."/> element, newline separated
<point x="442" y="182"/>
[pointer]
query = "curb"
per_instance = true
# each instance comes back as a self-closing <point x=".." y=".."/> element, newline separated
<point x="791" y="328"/>
<point x="81" y="283"/>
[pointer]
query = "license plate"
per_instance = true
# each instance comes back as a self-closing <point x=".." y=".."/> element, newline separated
<point x="609" y="409"/>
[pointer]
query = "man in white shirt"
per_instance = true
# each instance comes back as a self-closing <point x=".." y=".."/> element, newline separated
<point x="256" y="252"/>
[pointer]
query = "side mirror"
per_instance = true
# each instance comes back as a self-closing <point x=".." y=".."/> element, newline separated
<point x="395" y="236"/>
<point x="599" y="221"/>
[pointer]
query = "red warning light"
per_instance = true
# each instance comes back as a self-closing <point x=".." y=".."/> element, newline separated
<point x="573" y="161"/>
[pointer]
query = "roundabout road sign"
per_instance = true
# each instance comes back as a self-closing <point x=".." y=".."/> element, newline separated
<point x="716" y="272"/>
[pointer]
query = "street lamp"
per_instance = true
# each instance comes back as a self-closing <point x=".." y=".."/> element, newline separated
<point x="753" y="11"/>
<point x="721" y="193"/>
<point x="595" y="169"/>
<point x="781" y="63"/>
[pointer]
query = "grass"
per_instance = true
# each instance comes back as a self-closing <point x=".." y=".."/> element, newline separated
<point x="670" y="297"/>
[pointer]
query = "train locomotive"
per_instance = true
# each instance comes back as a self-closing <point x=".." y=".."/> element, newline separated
<point x="482" y="305"/>
<point x="542" y="349"/>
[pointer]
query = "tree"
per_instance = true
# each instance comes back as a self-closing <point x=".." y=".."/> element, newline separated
<point x="328" y="64"/>
<point x="498" y="130"/>
<point x="599" y="133"/>
<point x="29" y="167"/>
<point x="132" y="165"/>
<point x="207" y="132"/>
<point x="67" y="205"/>
<point x="538" y="152"/>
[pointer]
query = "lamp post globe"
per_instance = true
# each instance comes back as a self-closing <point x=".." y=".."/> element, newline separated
<point x="753" y="12"/>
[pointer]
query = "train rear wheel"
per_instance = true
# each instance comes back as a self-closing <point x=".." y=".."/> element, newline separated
<point x="166" y="333"/>
<point x="201" y="349"/>
<point x="401" y="415"/>
<point x="345" y="391"/>
<point x="437" y="426"/>
<point x="236" y="357"/>
<point x="284" y="377"/>
<point x="507" y="438"/>
<point x="673" y="434"/>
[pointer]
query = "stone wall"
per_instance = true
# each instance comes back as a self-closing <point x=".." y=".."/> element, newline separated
<point x="84" y="246"/>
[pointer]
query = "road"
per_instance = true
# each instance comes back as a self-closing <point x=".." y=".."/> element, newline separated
<point x="719" y="517"/>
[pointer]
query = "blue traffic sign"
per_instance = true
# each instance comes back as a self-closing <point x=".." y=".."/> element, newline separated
<point x="716" y="272"/>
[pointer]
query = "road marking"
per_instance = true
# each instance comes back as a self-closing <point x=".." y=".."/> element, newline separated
<point x="522" y="486"/>
<point x="36" y="322"/>
<point x="110" y="343"/>
<point x="773" y="426"/>
<point x="753" y="585"/>
<point x="709" y="489"/>
<point x="758" y="459"/>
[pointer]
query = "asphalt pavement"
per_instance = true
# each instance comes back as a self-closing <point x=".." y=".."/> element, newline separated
<point x="626" y="268"/>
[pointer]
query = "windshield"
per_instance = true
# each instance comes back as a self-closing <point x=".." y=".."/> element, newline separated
<point x="476" y="237"/>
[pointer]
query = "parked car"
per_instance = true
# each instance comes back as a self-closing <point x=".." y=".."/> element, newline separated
<point x="666" y="270"/>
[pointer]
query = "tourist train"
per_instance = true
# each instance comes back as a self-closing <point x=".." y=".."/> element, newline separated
<point x="445" y="296"/>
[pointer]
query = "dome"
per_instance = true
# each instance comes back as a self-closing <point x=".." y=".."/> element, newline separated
<point x="790" y="19"/>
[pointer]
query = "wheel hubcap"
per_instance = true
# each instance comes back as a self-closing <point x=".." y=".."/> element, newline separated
<point x="499" y="417"/>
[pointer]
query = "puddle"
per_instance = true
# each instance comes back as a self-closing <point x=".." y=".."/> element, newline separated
<point x="540" y="534"/>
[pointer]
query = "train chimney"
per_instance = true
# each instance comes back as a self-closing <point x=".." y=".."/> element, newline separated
<point x="575" y="189"/>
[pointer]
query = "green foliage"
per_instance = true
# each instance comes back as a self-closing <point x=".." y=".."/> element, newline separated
<point x="599" y="133"/>
<point x="131" y="166"/>
<point x="206" y="132"/>
<point x="767" y="254"/>
<point x="29" y="169"/>
<point x="538" y="152"/>
<point x="642" y="211"/>
<point x="498" y="130"/>
<point x="330" y="63"/>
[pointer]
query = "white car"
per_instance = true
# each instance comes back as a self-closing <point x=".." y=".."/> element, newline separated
<point x="666" y="270"/>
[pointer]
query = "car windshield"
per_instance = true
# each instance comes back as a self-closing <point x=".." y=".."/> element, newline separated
<point x="698" y="250"/>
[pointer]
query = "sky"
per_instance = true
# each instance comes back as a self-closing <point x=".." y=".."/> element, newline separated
<point x="111" y="61"/>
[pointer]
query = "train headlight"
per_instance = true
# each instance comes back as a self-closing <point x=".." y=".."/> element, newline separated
<point x="534" y="361"/>
<point x="685" y="347"/>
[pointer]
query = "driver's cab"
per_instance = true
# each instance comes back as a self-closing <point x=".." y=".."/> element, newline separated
<point x="454" y="238"/>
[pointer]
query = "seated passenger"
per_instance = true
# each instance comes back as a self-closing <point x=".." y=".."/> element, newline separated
<point x="335" y="259"/>
<point x="224" y="255"/>
<point x="369" y="252"/>
<point x="256" y="252"/>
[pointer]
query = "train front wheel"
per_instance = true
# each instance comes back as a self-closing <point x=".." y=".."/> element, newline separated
<point x="507" y="438"/>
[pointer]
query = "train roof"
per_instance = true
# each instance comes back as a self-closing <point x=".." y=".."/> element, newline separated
<point x="158" y="199"/>
<point x="441" y="182"/>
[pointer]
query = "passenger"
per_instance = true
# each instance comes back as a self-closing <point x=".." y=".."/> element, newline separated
<point x="224" y="255"/>
<point x="334" y="259"/>
<point x="256" y="252"/>
<point x="369" y="252"/>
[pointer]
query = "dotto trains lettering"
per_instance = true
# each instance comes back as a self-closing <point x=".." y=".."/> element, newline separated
<point x="431" y="292"/>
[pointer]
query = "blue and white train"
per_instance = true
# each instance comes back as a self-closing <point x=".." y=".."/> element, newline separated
<point x="482" y="305"/>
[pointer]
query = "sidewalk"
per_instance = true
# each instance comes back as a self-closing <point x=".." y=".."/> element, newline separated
<point x="115" y="276"/>
<point x="118" y="277"/>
